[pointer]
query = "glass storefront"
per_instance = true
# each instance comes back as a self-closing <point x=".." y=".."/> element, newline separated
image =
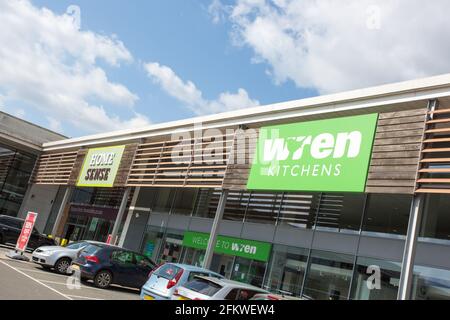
<point x="287" y="270"/>
<point x="329" y="276"/>
<point x="375" y="279"/>
<point x="92" y="213"/>
<point x="436" y="217"/>
<point x="297" y="271"/>
<point x="15" y="172"/>
<point x="431" y="283"/>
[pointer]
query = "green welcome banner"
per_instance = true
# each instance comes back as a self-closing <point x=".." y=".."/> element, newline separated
<point x="100" y="167"/>
<point x="327" y="155"/>
<point x="250" y="249"/>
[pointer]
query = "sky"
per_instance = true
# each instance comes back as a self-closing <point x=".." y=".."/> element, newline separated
<point x="82" y="67"/>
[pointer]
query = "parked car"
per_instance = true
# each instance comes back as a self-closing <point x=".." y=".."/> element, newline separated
<point x="209" y="288"/>
<point x="273" y="296"/>
<point x="106" y="264"/>
<point x="10" y="228"/>
<point x="57" y="257"/>
<point x="164" y="280"/>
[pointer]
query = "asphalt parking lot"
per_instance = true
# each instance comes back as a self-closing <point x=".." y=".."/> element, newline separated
<point x="20" y="280"/>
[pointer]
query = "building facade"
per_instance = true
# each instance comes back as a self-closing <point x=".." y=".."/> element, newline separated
<point x="20" y="146"/>
<point x="343" y="196"/>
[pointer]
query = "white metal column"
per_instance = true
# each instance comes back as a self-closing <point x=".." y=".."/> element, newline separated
<point x="406" y="276"/>
<point x="124" y="232"/>
<point x="123" y="206"/>
<point x="214" y="230"/>
<point x="64" y="202"/>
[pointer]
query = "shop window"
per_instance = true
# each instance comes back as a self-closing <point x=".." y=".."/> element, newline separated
<point x="430" y="283"/>
<point x="387" y="213"/>
<point x="152" y="242"/>
<point x="164" y="200"/>
<point x="263" y="207"/>
<point x="297" y="210"/>
<point x="329" y="276"/>
<point x="367" y="287"/>
<point x="204" y="203"/>
<point x="184" y="201"/>
<point x="339" y="212"/>
<point x="286" y="270"/>
<point x="436" y="217"/>
<point x="248" y="271"/>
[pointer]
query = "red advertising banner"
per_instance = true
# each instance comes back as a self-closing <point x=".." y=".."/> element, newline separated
<point x="108" y="240"/>
<point x="25" y="234"/>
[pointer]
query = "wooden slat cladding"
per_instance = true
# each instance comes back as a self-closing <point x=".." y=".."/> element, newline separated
<point x="434" y="168"/>
<point x="241" y="159"/>
<point x="54" y="168"/>
<point x="194" y="162"/>
<point x="396" y="152"/>
<point x="81" y="155"/>
<point x="125" y="165"/>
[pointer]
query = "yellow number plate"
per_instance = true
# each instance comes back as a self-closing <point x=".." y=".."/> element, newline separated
<point x="148" y="298"/>
<point x="182" y="298"/>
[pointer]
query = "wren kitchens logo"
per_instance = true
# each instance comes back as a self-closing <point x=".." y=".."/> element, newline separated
<point x="100" y="167"/>
<point x="324" y="155"/>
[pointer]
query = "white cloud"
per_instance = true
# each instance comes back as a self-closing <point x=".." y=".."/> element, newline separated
<point x="187" y="92"/>
<point x="54" y="124"/>
<point x="338" y="45"/>
<point x="48" y="63"/>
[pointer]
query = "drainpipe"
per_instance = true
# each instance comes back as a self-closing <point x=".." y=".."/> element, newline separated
<point x="215" y="229"/>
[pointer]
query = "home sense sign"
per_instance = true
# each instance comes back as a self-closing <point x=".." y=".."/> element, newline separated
<point x="325" y="155"/>
<point x="100" y="167"/>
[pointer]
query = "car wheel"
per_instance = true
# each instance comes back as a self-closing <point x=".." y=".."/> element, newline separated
<point x="62" y="265"/>
<point x="103" y="279"/>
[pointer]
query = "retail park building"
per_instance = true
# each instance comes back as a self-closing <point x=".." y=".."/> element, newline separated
<point x="302" y="197"/>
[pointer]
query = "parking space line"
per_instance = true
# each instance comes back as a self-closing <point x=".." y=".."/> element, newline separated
<point x="43" y="272"/>
<point x="81" y="286"/>
<point x="30" y="277"/>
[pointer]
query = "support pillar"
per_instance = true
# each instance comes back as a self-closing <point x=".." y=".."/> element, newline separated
<point x="124" y="232"/>
<point x="406" y="276"/>
<point x="64" y="202"/>
<point x="123" y="206"/>
<point x="214" y="230"/>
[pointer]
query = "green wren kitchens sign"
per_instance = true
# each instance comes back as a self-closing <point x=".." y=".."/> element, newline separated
<point x="250" y="249"/>
<point x="100" y="167"/>
<point x="325" y="155"/>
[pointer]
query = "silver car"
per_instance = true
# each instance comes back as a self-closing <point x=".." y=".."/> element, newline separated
<point x="163" y="281"/>
<point x="209" y="288"/>
<point x="57" y="257"/>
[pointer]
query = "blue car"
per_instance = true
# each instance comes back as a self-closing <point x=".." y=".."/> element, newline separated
<point x="165" y="280"/>
<point x="105" y="265"/>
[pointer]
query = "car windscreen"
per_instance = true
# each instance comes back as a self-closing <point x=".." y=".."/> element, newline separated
<point x="203" y="286"/>
<point x="167" y="271"/>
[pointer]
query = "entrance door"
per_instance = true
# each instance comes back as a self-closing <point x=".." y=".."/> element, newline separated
<point x="249" y="271"/>
<point x="222" y="264"/>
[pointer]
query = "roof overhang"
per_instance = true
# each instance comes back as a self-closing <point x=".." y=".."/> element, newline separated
<point x="397" y="96"/>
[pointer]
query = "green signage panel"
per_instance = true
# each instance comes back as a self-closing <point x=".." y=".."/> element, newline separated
<point x="250" y="249"/>
<point x="326" y="155"/>
<point x="100" y="167"/>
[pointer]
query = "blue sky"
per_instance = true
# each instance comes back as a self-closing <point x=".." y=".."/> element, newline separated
<point x="181" y="35"/>
<point x="158" y="61"/>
